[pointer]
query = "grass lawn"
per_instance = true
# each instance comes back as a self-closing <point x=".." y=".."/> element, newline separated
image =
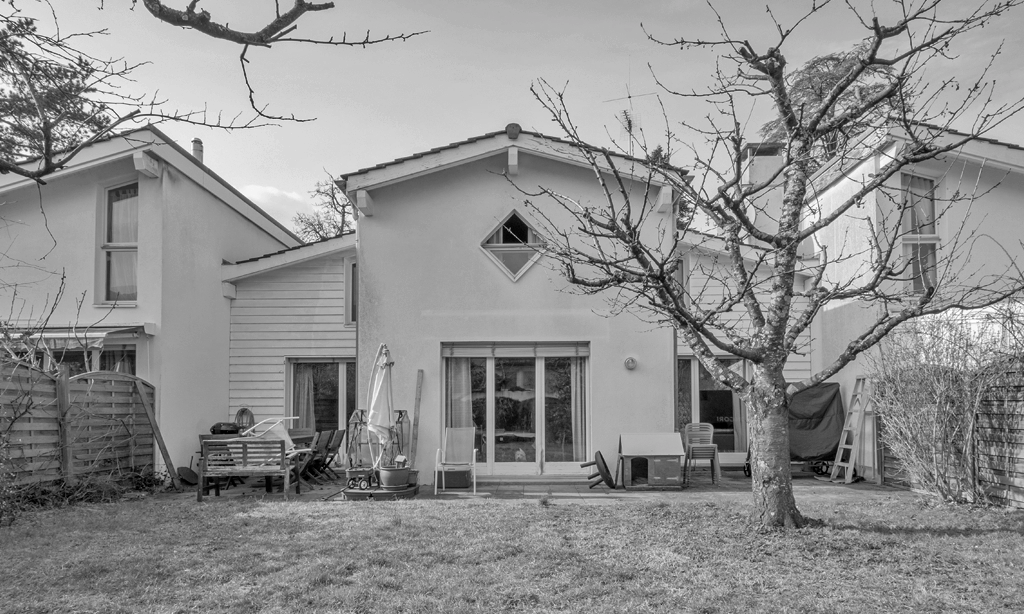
<point x="169" y="554"/>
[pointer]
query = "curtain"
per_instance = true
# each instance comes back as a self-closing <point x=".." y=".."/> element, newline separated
<point x="739" y="414"/>
<point x="459" y="406"/>
<point x="123" y="215"/>
<point x="122" y="272"/>
<point x="303" y="406"/>
<point x="919" y="203"/>
<point x="579" y="411"/>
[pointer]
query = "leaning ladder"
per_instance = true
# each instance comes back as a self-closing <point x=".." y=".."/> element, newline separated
<point x="849" y="441"/>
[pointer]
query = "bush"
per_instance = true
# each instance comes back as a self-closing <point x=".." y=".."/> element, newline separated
<point x="928" y="382"/>
<point x="8" y="493"/>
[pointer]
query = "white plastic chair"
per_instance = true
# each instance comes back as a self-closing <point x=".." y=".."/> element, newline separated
<point x="456" y="454"/>
<point x="697" y="439"/>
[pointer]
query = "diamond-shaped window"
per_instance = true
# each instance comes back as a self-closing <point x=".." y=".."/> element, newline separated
<point x="514" y="245"/>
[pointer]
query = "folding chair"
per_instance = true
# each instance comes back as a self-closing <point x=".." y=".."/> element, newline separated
<point x="456" y="454"/>
<point x="333" y="447"/>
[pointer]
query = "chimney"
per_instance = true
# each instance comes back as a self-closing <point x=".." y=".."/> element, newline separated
<point x="197" y="149"/>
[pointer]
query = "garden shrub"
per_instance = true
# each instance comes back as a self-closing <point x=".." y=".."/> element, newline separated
<point x="928" y="382"/>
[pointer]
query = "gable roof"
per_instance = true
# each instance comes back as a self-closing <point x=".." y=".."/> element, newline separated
<point x="991" y="152"/>
<point x="151" y="141"/>
<point x="476" y="148"/>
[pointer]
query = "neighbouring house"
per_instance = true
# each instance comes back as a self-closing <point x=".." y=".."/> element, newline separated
<point x="131" y="237"/>
<point x="962" y="232"/>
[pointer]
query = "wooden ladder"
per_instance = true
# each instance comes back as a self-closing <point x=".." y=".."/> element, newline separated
<point x="849" y="440"/>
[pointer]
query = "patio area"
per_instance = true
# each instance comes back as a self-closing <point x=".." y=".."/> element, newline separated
<point x="733" y="487"/>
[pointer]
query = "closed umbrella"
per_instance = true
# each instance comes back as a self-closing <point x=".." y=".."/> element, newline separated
<point x="379" y="401"/>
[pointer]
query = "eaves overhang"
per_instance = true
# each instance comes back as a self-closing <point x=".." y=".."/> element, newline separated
<point x="233" y="272"/>
<point x="511" y="141"/>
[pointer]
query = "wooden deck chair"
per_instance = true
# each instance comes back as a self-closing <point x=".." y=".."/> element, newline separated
<point x="315" y="467"/>
<point x="456" y="454"/>
<point x="697" y="441"/>
<point x="333" y="448"/>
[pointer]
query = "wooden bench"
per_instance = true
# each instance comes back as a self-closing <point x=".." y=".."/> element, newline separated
<point x="243" y="457"/>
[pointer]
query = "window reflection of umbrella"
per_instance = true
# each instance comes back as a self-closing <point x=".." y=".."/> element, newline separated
<point x="380" y="421"/>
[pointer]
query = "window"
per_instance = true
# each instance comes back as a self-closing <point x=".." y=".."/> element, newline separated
<point x="351" y="291"/>
<point x="701" y="398"/>
<point x="121" y="244"/>
<point x="321" y="391"/>
<point x="513" y="245"/>
<point x="117" y="358"/>
<point x="920" y="231"/>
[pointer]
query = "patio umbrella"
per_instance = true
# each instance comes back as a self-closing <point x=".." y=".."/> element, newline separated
<point x="379" y="401"/>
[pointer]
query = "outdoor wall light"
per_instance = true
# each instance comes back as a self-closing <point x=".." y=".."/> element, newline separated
<point x="630" y="363"/>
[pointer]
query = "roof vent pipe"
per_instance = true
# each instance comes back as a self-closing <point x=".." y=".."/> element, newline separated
<point x="197" y="149"/>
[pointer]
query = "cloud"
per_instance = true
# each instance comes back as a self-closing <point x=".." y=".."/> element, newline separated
<point x="280" y="204"/>
<point x="261" y="194"/>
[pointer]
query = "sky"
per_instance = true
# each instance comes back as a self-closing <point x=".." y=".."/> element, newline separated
<point x="469" y="74"/>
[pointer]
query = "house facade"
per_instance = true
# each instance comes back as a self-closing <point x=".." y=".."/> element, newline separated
<point x="116" y="263"/>
<point x="960" y="235"/>
<point x="451" y="279"/>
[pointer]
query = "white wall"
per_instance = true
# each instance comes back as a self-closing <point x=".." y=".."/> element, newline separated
<point x="199" y="234"/>
<point x="424" y="280"/>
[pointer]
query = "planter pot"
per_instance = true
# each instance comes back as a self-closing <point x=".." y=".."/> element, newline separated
<point x="394" y="477"/>
<point x="414" y="477"/>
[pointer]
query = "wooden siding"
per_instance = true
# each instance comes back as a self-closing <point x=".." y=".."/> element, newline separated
<point x="294" y="312"/>
<point x="706" y="290"/>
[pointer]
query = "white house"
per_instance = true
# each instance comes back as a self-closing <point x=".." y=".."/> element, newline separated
<point x="450" y="277"/>
<point x="137" y="228"/>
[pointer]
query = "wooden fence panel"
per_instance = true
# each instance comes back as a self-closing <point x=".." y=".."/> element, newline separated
<point x="29" y="417"/>
<point x="108" y="429"/>
<point x="72" y="428"/>
<point x="999" y="441"/>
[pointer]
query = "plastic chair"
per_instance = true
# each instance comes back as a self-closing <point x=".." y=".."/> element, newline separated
<point x="456" y="454"/>
<point x="697" y="438"/>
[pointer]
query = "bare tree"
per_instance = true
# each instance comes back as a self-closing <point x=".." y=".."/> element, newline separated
<point x="332" y="217"/>
<point x="279" y="30"/>
<point x="755" y="261"/>
<point x="56" y="100"/>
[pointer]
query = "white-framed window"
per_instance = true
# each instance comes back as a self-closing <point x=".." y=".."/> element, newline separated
<point x="120" y="244"/>
<point x="351" y="291"/>
<point x="117" y="358"/>
<point x="323" y="393"/>
<point x="514" y="245"/>
<point x="920" y="230"/>
<point x="527" y="402"/>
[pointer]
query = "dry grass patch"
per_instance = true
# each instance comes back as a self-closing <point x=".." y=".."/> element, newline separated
<point x="172" y="555"/>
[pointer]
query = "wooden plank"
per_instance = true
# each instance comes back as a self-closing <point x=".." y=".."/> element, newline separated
<point x="171" y="469"/>
<point x="50" y="439"/>
<point x="416" y="418"/>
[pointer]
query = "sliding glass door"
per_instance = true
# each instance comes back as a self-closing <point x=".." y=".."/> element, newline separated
<point x="699" y="398"/>
<point x="529" y="412"/>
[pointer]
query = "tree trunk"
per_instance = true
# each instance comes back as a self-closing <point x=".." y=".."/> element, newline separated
<point x="772" y="480"/>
